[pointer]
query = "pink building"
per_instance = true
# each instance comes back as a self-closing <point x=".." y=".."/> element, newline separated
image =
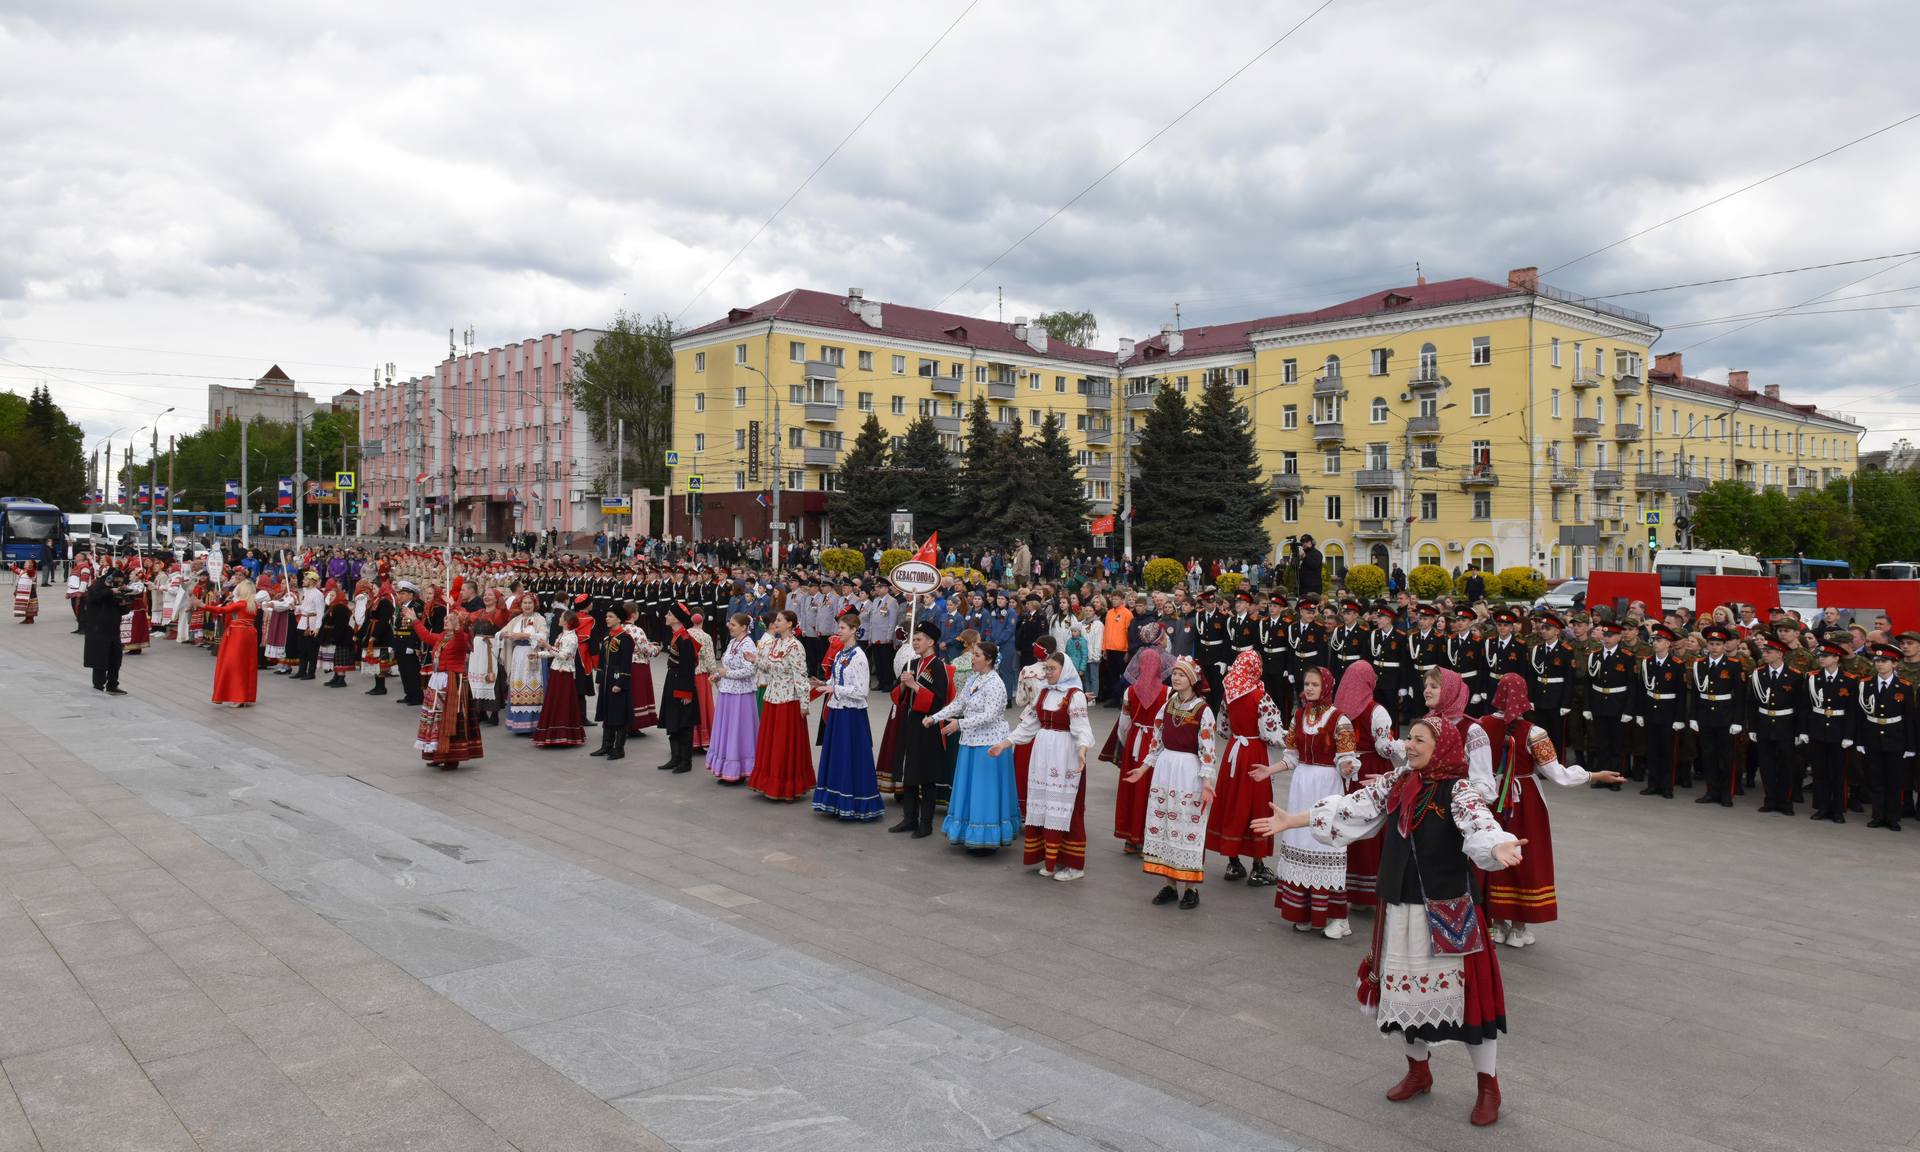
<point x="500" y="443"/>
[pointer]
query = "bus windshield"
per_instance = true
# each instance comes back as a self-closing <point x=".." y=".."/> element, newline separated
<point x="33" y="524"/>
<point x="1800" y="572"/>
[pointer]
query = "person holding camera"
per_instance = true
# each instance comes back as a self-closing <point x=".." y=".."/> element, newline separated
<point x="105" y="601"/>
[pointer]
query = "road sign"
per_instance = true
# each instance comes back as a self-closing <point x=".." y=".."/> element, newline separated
<point x="615" y="505"/>
<point x="673" y="458"/>
<point x="344" y="481"/>
<point x="372" y="447"/>
<point x="914" y="576"/>
<point x="753" y="451"/>
<point x="1650" y="517"/>
<point x="696" y="482"/>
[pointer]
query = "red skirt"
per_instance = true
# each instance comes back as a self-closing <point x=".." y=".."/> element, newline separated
<point x="782" y="759"/>
<point x="646" y="714"/>
<point x="236" y="672"/>
<point x="1130" y="801"/>
<point x="1238" y="800"/>
<point x="703" y="693"/>
<point x="887" y="757"/>
<point x="1525" y="893"/>
<point x="449" y="731"/>
<point x="559" y="725"/>
<point x="1363" y="860"/>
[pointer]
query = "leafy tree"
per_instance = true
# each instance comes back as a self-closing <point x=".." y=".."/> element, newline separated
<point x="205" y="460"/>
<point x="1231" y="502"/>
<point x="926" y="478"/>
<point x="869" y="490"/>
<point x="989" y="488"/>
<point x="40" y="450"/>
<point x="1162" y="513"/>
<point x="1079" y="329"/>
<point x="628" y="375"/>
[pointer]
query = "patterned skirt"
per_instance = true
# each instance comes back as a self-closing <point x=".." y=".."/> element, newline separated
<point x="1313" y="877"/>
<point x="1432" y="996"/>
<point x="449" y="731"/>
<point x="1173" y="843"/>
<point x="1525" y="893"/>
<point x="279" y="624"/>
<point x="560" y="721"/>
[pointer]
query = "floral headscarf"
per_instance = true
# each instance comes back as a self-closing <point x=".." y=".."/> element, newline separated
<point x="1453" y="695"/>
<point x="1243" y="676"/>
<point x="1448" y="762"/>
<point x="1325" y="677"/>
<point x="1149" y="680"/>
<point x="1355" y="696"/>
<point x="1510" y="698"/>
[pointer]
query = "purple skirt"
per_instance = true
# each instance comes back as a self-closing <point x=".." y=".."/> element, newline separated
<point x="736" y="728"/>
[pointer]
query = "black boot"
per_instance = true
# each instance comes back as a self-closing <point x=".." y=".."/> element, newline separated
<point x="1236" y="871"/>
<point x="682" y="752"/>
<point x="924" y="828"/>
<point x="619" y="744"/>
<point x="1261" y="876"/>
<point x="379" y="687"/>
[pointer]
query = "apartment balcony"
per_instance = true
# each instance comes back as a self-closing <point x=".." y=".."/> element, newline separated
<point x="1561" y="479"/>
<point x="1693" y="484"/>
<point x="1797" y="489"/>
<point x="1373" y="530"/>
<point x="1373" y="479"/>
<point x="1100" y="437"/>
<point x="1585" y="427"/>
<point x="1329" y="386"/>
<point x="1140" y="401"/>
<point x="1100" y="507"/>
<point x="1329" y="432"/>
<point x="1425" y="381"/>
<point x="949" y="425"/>
<point x="823" y="411"/>
<point x="819" y="457"/>
<point x="1607" y="480"/>
<point x="1626" y="385"/>
<point x="1479" y="476"/>
<point x="821" y="370"/>
<point x="1626" y="433"/>
<point x="1584" y="380"/>
<point x="1612" y="527"/>
<point x="1423" y="425"/>
<point x="1001" y="390"/>
<point x="1286" y="483"/>
<point x="1097" y="391"/>
<point x="944" y="385"/>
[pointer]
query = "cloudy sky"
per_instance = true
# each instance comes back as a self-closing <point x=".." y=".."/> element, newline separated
<point x="194" y="190"/>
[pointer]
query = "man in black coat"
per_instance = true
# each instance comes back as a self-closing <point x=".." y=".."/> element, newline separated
<point x="101" y="607"/>
<point x="679" y="707"/>
<point x="1309" y="563"/>
<point x="615" y="675"/>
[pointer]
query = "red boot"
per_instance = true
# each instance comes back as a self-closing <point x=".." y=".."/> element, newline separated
<point x="1417" y="1081"/>
<point x="1486" y="1109"/>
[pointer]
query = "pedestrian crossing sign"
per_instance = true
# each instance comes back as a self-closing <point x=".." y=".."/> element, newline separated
<point x="1651" y="517"/>
<point x="696" y="482"/>
<point x="343" y="481"/>
<point x="673" y="459"/>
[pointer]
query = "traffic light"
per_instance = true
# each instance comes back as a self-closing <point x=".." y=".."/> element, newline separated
<point x="1653" y="541"/>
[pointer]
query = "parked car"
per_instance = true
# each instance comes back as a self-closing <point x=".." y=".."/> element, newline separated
<point x="1566" y="596"/>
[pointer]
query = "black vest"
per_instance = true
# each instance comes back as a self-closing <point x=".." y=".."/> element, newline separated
<point x="1436" y="841"/>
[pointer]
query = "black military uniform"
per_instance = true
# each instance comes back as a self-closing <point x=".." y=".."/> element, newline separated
<point x="614" y="708"/>
<point x="1463" y="654"/>
<point x="1718" y="702"/>
<point x="1426" y="646"/>
<point x="1832" y="726"/>
<point x="1276" y="658"/>
<point x="406" y="653"/>
<point x="679" y="707"/>
<point x="1394" y="687"/>
<point x="1213" y="646"/>
<point x="1611" y="678"/>
<point x="1551" y="679"/>
<point x="1347" y="642"/>
<point x="1886" y="735"/>
<point x="1308" y="638"/>
<point x="1779" y="704"/>
<point x="1504" y="654"/>
<point x="1243" y="627"/>
<point x="1663" y="713"/>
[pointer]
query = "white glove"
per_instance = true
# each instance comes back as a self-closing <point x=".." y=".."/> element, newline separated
<point x="1678" y="726"/>
<point x="1734" y="729"/>
<point x="1640" y="720"/>
<point x="1800" y="739"/>
<point x="1906" y="756"/>
<point x="1564" y="711"/>
<point x="1624" y="719"/>
<point x="1405" y="692"/>
<point x="1846" y="743"/>
<point x="1586" y="715"/>
<point x="1694" y="724"/>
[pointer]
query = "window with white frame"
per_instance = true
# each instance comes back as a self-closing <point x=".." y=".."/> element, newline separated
<point x="1289" y="416"/>
<point x="796" y="437"/>
<point x="834" y="356"/>
<point x="1483" y="505"/>
<point x="796" y="480"/>
<point x="739" y="353"/>
<point x="1059" y="383"/>
<point x="699" y="442"/>
<point x="899" y="405"/>
<point x="1289" y="371"/>
<point x="797" y="351"/>
<point x="739" y="397"/>
<point x="1240" y="378"/>
<point x="739" y="439"/>
<point x="1377" y="360"/>
<point x="1379" y="506"/>
<point x="899" y="365"/>
<point x="1290" y="463"/>
<point x="1290" y="509"/>
<point x="1553" y="347"/>
<point x="1555" y="400"/>
<point x="1482" y="350"/>
<point x="1377" y="411"/>
<point x="1333" y="507"/>
<point x="739" y="481"/>
<point x="1376" y="455"/>
<point x="699" y="401"/>
<point x="866" y="401"/>
<point x="699" y="361"/>
<point x="1429" y="506"/>
<point x="866" y="361"/>
<point x="1330" y="461"/>
<point x="1483" y="401"/>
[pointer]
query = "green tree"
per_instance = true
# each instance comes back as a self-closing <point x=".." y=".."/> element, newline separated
<point x="869" y="490"/>
<point x="628" y="376"/>
<point x="1726" y="515"/>
<point x="989" y="488"/>
<point x="1053" y="476"/>
<point x="1079" y="329"/>
<point x="1886" y="509"/>
<point x="40" y="450"/>
<point x="926" y="478"/>
<point x="1162" y="492"/>
<point x="1231" y="502"/>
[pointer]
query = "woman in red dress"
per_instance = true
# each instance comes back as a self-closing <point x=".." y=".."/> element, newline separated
<point x="782" y="760"/>
<point x="559" y="725"/>
<point x="236" y="670"/>
<point x="1133" y="735"/>
<point x="1380" y="754"/>
<point x="449" y="730"/>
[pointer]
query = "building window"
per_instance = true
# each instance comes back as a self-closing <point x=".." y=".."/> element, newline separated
<point x="899" y="405"/>
<point x="739" y="353"/>
<point x="1290" y="463"/>
<point x="1483" y="401"/>
<point x="1331" y="369"/>
<point x="699" y="361"/>
<point x="1429" y="506"/>
<point x="1059" y="383"/>
<point x="1430" y="554"/>
<point x="1289" y="416"/>
<point x="796" y="437"/>
<point x="1377" y="456"/>
<point x="1240" y="377"/>
<point x="699" y="442"/>
<point x="1656" y="420"/>
<point x="929" y="368"/>
<point x="1180" y="385"/>
<point x="1480" y="455"/>
<point x="797" y="351"/>
<point x="699" y="401"/>
<point x="1330" y="462"/>
<point x="830" y="440"/>
<point x="866" y="361"/>
<point x="1290" y="509"/>
<point x="834" y="356"/>
<point x="1379" y="506"/>
<point x="1429" y="455"/>
<point x="796" y="480"/>
<point x="1289" y="371"/>
<point x="739" y="397"/>
<point x="739" y="481"/>
<point x="1482" y="557"/>
<point x="979" y="373"/>
<point x="1553" y="346"/>
<point x="1377" y="411"/>
<point x="866" y="401"/>
<point x="899" y="365"/>
<point x="1335" y="557"/>
<point x="1333" y="508"/>
<point x="1377" y="360"/>
<point x="739" y="439"/>
<point x="1482" y="350"/>
<point x="1556" y="404"/>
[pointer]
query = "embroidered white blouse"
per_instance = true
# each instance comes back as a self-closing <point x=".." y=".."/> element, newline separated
<point x="1545" y="763"/>
<point x="1209" y="757"/>
<point x="1077" y="724"/>
<point x="566" y="652"/>
<point x="1338" y="821"/>
<point x="849" y="680"/>
<point x="784" y="663"/>
<point x="981" y="708"/>
<point x="736" y="668"/>
<point x="1345" y="759"/>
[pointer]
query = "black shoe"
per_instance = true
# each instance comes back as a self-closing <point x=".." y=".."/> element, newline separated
<point x="1191" y="900"/>
<point x="1857" y="808"/>
<point x="1893" y="826"/>
<point x="113" y="691"/>
<point x="377" y="690"/>
<point x="667" y="767"/>
<point x="906" y="824"/>
<point x="1666" y="795"/>
<point x="1705" y="800"/>
<point x="1783" y="810"/>
<point x="1837" y="818"/>
<point x="1261" y="876"/>
<point x="1818" y="816"/>
<point x="1726" y="803"/>
<point x="616" y="754"/>
<point x="922" y="833"/>
<point x="1767" y="807"/>
<point x="1649" y="791"/>
<point x="598" y="752"/>
<point x="682" y="769"/>
<point x="1876" y="823"/>
<point x="1166" y="895"/>
<point x="1236" y="872"/>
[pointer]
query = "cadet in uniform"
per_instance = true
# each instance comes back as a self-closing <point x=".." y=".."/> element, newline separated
<point x="1663" y="710"/>
<point x="1832" y="721"/>
<point x="1886" y="734"/>
<point x="1779" y="698"/>
<point x="1393" y="686"/>
<point x="1612" y="675"/>
<point x="1718" y="702"/>
<point x="1550" y="665"/>
<point x="1462" y="652"/>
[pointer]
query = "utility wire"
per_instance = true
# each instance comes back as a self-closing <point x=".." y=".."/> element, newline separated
<point x="1804" y="303"/>
<point x="1122" y="162"/>
<point x="827" y="159"/>
<point x="1751" y="276"/>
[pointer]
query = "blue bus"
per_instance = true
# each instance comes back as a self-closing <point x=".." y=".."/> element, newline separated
<point x="225" y="524"/>
<point x="26" y="524"/>
<point x="1800" y="572"/>
<point x="273" y="523"/>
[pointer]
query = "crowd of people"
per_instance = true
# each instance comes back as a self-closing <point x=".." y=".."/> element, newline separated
<point x="1414" y="738"/>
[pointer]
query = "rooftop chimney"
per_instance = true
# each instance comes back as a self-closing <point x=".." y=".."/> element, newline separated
<point x="870" y="313"/>
<point x="1020" y="328"/>
<point x="1126" y="349"/>
<point x="1668" y="364"/>
<point x="1526" y="279"/>
<point x="1772" y="391"/>
<point x="856" y="293"/>
<point x="1175" y="340"/>
<point x="1738" y="381"/>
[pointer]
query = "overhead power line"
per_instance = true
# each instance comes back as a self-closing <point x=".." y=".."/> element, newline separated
<point x="1751" y="276"/>
<point x="826" y="159"/>
<point x="1737" y="191"/>
<point x="1147" y="143"/>
<point x="1803" y="304"/>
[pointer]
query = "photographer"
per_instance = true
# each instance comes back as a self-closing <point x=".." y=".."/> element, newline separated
<point x="105" y="601"/>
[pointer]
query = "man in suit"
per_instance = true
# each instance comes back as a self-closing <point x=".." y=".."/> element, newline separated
<point x="1886" y="734"/>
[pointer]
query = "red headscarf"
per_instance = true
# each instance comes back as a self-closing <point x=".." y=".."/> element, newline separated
<point x="1243" y="676"/>
<point x="1510" y="698"/>
<point x="1326" y="690"/>
<point x="1448" y="762"/>
<point x="1148" y="688"/>
<point x="1355" y="697"/>
<point x="1453" y="695"/>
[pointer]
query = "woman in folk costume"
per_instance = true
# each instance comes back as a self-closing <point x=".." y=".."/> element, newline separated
<point x="834" y="643"/>
<point x="983" y="811"/>
<point x="736" y="722"/>
<point x="448" y="732"/>
<point x="1181" y="765"/>
<point x="483" y="671"/>
<point x="1511" y="752"/>
<point x="236" y="670"/>
<point x="1056" y="805"/>
<point x="1027" y="683"/>
<point x="1445" y="693"/>
<point x="923" y="746"/>
<point x="646" y="714"/>
<point x="1244" y="792"/>
<point x="847" y="787"/>
<point x="336" y="637"/>
<point x="26" y="591"/>
<point x="1380" y="754"/>
<point x="523" y="640"/>
<point x="559" y="724"/>
<point x="1319" y="752"/>
<point x="782" y="758"/>
<point x="706" y="668"/>
<point x="136" y="627"/>
<point x="614" y="708"/>
<point x="1430" y="975"/>
<point x="1132" y="735"/>
<point x="376" y="637"/>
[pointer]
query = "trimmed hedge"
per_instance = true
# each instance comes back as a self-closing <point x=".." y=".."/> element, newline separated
<point x="1428" y="581"/>
<point x="892" y="558"/>
<point x="1517" y="584"/>
<point x="845" y="561"/>
<point x="1228" y="584"/>
<point x="1366" y="582"/>
<point x="1163" y="574"/>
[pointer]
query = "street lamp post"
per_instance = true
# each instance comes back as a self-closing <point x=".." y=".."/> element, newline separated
<point x="153" y="478"/>
<point x="773" y="399"/>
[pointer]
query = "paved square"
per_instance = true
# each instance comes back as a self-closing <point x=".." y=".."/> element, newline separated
<point x="277" y="928"/>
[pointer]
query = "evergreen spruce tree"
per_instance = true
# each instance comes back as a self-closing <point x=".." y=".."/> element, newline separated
<point x="1163" y="491"/>
<point x="869" y="488"/>
<point x="982" y="521"/>
<point x="1053" y="476"/>
<point x="1232" y="499"/>
<point x="925" y="479"/>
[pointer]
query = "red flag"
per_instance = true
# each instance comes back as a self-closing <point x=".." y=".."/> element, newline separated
<point x="1101" y="526"/>
<point x="930" y="551"/>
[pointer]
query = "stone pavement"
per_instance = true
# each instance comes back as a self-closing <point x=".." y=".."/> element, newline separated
<point x="276" y="928"/>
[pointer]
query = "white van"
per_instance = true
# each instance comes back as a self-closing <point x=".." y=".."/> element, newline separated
<point x="116" y="528"/>
<point x="80" y="529"/>
<point x="1679" y="568"/>
<point x="1898" y="570"/>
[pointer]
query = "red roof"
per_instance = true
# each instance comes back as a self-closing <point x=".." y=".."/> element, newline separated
<point x="826" y="310"/>
<point x="1747" y="399"/>
<point x="274" y="373"/>
<point x="1213" y="340"/>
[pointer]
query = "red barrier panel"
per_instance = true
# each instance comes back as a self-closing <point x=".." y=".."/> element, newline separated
<point x="1603" y="588"/>
<point x="1899" y="599"/>
<point x="1709" y="592"/>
